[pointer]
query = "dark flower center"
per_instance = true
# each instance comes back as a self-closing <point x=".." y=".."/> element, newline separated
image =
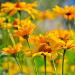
<point x="17" y="5"/>
<point x="68" y="13"/>
<point x="43" y="48"/>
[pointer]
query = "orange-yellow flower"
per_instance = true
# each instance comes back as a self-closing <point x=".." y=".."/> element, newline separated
<point x="42" y="47"/>
<point x="26" y="28"/>
<point x="63" y="39"/>
<point x="68" y="12"/>
<point x="12" y="8"/>
<point x="12" y="49"/>
<point x="45" y="15"/>
<point x="6" y="7"/>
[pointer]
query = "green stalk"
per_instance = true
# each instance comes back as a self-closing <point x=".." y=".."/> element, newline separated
<point x="11" y="37"/>
<point x="54" y="66"/>
<point x="13" y="42"/>
<point x="28" y="43"/>
<point x="63" y="61"/>
<point x="45" y="63"/>
<point x="35" y="67"/>
<point x="69" y="25"/>
<point x="20" y="67"/>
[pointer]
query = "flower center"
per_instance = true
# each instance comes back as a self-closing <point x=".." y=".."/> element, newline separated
<point x="68" y="14"/>
<point x="44" y="48"/>
<point x="17" y="5"/>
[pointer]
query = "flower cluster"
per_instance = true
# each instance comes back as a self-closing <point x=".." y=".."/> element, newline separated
<point x="18" y="23"/>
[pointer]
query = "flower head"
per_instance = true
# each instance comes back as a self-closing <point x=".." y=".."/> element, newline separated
<point x="63" y="39"/>
<point x="26" y="28"/>
<point x="12" y="49"/>
<point x="68" y="12"/>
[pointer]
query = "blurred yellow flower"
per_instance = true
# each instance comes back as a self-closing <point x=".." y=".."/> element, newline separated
<point x="41" y="47"/>
<point x="42" y="15"/>
<point x="72" y="67"/>
<point x="68" y="12"/>
<point x="26" y="28"/>
<point x="63" y="39"/>
<point x="12" y="49"/>
<point x="13" y="68"/>
<point x="12" y="8"/>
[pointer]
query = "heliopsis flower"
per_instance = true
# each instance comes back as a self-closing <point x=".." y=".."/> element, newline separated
<point x="12" y="8"/>
<point x="45" y="15"/>
<point x="68" y="12"/>
<point x="26" y="28"/>
<point x="42" y="47"/>
<point x="63" y="39"/>
<point x="6" y="7"/>
<point x="12" y="49"/>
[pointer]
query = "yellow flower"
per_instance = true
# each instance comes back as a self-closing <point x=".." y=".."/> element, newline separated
<point x="41" y="47"/>
<point x="45" y="15"/>
<point x="6" y="7"/>
<point x="2" y="19"/>
<point x="26" y="28"/>
<point x="68" y="12"/>
<point x="12" y="49"/>
<point x="72" y="67"/>
<point x="14" y="68"/>
<point x="12" y="8"/>
<point x="62" y="39"/>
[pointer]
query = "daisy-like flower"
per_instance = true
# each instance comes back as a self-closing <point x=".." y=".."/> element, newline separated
<point x="68" y="12"/>
<point x="26" y="28"/>
<point x="12" y="8"/>
<point x="45" y="15"/>
<point x="12" y="49"/>
<point x="63" y="39"/>
<point x="6" y="7"/>
<point x="42" y="47"/>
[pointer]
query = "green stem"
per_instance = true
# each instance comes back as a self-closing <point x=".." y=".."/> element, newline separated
<point x="28" y="43"/>
<point x="11" y="37"/>
<point x="13" y="42"/>
<point x="35" y="67"/>
<point x="8" y="65"/>
<point x="69" y="25"/>
<point x="54" y="66"/>
<point x="20" y="67"/>
<point x="63" y="61"/>
<point x="45" y="63"/>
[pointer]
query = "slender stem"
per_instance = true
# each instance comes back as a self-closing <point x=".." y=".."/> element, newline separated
<point x="63" y="61"/>
<point x="11" y="37"/>
<point x="45" y="63"/>
<point x="13" y="42"/>
<point x="19" y="16"/>
<point x="20" y="62"/>
<point x="19" y="65"/>
<point x="54" y="67"/>
<point x="28" y="43"/>
<point x="35" y="67"/>
<point x="69" y="25"/>
<point x="8" y="65"/>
